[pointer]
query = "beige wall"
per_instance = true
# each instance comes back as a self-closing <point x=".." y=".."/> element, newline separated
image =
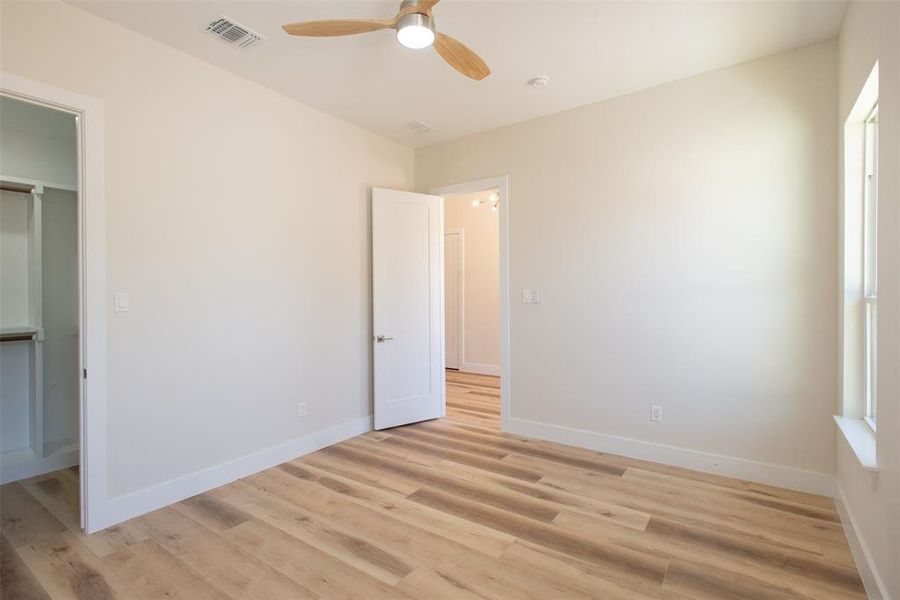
<point x="871" y="32"/>
<point x="238" y="222"/>
<point x="482" y="280"/>
<point x="684" y="239"/>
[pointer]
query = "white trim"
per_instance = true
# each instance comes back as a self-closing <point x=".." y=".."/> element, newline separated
<point x="861" y="438"/>
<point x="707" y="462"/>
<point x="36" y="261"/>
<point x="874" y="584"/>
<point x="479" y="368"/>
<point x="500" y="183"/>
<point x="175" y="490"/>
<point x="91" y="190"/>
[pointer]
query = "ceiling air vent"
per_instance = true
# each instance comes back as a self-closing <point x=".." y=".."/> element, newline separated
<point x="418" y="127"/>
<point x="233" y="33"/>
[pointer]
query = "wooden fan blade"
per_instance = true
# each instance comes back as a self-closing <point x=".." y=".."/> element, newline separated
<point x="460" y="57"/>
<point x="426" y="5"/>
<point x="333" y="27"/>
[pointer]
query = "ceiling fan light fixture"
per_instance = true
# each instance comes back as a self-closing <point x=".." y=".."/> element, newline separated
<point x="415" y="31"/>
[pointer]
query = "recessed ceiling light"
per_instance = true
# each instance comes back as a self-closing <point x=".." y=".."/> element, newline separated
<point x="540" y="81"/>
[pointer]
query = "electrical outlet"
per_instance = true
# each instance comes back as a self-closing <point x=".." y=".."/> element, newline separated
<point x="656" y="413"/>
<point x="301" y="409"/>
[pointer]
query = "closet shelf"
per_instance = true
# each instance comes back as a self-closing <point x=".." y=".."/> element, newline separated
<point x="21" y="333"/>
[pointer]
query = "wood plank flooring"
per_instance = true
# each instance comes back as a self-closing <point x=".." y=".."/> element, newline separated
<point x="447" y="509"/>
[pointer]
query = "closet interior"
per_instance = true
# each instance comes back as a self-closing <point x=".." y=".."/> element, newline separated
<point x="39" y="296"/>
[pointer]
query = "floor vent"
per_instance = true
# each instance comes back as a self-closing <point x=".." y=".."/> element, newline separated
<point x="419" y="127"/>
<point x="233" y="33"/>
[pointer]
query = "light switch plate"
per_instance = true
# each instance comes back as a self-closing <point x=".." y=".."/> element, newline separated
<point x="531" y="296"/>
<point x="120" y="302"/>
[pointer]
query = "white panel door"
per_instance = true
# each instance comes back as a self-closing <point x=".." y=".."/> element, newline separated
<point x="407" y="302"/>
<point x="452" y="304"/>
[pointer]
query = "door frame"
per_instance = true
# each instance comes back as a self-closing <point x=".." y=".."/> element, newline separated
<point x="460" y="234"/>
<point x="500" y="183"/>
<point x="91" y="203"/>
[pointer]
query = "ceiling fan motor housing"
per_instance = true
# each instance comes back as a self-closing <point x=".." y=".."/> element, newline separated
<point x="415" y="20"/>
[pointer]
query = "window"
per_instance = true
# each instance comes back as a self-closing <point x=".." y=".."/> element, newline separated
<point x="859" y="298"/>
<point x="870" y="264"/>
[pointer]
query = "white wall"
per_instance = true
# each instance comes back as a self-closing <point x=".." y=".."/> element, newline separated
<point x="481" y="323"/>
<point x="36" y="143"/>
<point x="870" y="33"/>
<point x="14" y="249"/>
<point x="15" y="392"/>
<point x="684" y="241"/>
<point x="238" y="221"/>
<point x="15" y="357"/>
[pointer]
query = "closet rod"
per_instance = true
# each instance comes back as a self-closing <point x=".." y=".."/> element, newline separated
<point x="18" y="337"/>
<point x="10" y="188"/>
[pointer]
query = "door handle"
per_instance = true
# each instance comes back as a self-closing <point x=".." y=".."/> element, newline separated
<point x="381" y="338"/>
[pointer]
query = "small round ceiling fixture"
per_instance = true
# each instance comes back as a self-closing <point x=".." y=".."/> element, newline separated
<point x="415" y="31"/>
<point x="541" y="81"/>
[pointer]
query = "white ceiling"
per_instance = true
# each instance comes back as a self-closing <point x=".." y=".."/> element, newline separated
<point x="590" y="51"/>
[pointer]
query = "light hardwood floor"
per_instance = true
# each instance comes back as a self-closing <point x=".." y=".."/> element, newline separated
<point x="445" y="509"/>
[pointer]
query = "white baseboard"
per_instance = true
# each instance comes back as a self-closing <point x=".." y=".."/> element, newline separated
<point x="875" y="587"/>
<point x="729" y="466"/>
<point x="131" y="505"/>
<point x="480" y="368"/>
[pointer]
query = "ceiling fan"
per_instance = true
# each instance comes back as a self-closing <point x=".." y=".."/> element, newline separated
<point x="415" y="29"/>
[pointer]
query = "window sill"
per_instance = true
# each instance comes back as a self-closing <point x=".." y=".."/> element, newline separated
<point x="861" y="438"/>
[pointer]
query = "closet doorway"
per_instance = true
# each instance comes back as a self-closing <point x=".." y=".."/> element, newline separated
<point x="40" y="307"/>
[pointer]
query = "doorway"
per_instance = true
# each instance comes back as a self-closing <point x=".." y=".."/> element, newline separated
<point x="62" y="262"/>
<point x="40" y="305"/>
<point x="476" y="302"/>
<point x="409" y="307"/>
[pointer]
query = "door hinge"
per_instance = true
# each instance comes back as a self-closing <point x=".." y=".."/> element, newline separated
<point x="84" y="373"/>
